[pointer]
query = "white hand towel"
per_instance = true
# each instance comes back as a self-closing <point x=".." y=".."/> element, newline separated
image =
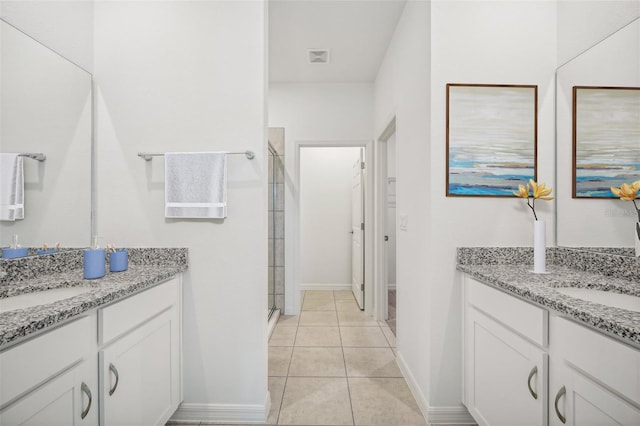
<point x="195" y="185"/>
<point x="11" y="187"/>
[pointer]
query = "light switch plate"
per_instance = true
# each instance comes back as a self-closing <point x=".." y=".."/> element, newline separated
<point x="403" y="220"/>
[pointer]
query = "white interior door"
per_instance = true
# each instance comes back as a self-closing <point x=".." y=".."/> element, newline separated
<point x="357" y="232"/>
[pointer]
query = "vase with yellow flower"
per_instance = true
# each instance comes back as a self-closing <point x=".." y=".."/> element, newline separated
<point x="631" y="192"/>
<point x="536" y="191"/>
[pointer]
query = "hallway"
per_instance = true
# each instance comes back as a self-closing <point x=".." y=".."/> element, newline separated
<point x="333" y="366"/>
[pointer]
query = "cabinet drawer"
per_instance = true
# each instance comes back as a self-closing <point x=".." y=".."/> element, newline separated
<point x="608" y="361"/>
<point x="119" y="318"/>
<point x="29" y="364"/>
<point x="528" y="320"/>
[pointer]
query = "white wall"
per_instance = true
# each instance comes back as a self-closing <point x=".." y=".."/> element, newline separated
<point x="313" y="112"/>
<point x="64" y="26"/>
<point x="326" y="180"/>
<point x="469" y="42"/>
<point x="190" y="76"/>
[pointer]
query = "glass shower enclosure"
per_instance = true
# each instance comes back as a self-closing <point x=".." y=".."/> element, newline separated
<point x="276" y="225"/>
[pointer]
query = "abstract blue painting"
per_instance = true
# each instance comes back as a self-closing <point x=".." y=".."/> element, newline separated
<point x="606" y="139"/>
<point x="491" y="138"/>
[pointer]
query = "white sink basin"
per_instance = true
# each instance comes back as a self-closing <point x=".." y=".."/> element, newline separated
<point x="607" y="298"/>
<point x="40" y="298"/>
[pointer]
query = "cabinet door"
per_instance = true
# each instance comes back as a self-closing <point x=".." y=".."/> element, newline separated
<point x="579" y="401"/>
<point x="70" y="399"/>
<point x="505" y="375"/>
<point x="139" y="374"/>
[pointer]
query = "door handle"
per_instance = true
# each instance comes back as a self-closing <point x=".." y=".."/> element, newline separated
<point x="84" y="388"/>
<point x="559" y="395"/>
<point x="113" y="369"/>
<point x="533" y="372"/>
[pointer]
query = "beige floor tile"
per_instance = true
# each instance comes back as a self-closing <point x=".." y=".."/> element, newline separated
<point x="276" y="389"/>
<point x="317" y="362"/>
<point x="357" y="318"/>
<point x="318" y="294"/>
<point x="288" y="320"/>
<point x="279" y="359"/>
<point x="371" y="362"/>
<point x="318" y="305"/>
<point x="316" y="401"/>
<point x="172" y="423"/>
<point x="345" y="305"/>
<point x="383" y="402"/>
<point x="343" y="295"/>
<point x="391" y="338"/>
<point x="371" y="337"/>
<point x="318" y="318"/>
<point x="318" y="336"/>
<point x="283" y="336"/>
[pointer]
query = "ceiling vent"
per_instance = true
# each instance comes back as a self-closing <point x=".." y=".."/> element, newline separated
<point x="318" y="56"/>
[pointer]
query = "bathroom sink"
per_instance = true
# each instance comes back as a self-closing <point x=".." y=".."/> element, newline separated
<point x="607" y="298"/>
<point x="27" y="300"/>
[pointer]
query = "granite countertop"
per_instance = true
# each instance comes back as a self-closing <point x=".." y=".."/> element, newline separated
<point x="517" y="279"/>
<point x="144" y="272"/>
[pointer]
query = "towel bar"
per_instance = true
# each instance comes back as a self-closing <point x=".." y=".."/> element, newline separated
<point x="34" y="156"/>
<point x="147" y="155"/>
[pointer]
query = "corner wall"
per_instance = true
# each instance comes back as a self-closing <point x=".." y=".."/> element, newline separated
<point x="191" y="76"/>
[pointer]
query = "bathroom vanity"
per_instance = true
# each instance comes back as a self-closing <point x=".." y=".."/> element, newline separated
<point x="109" y="355"/>
<point x="556" y="348"/>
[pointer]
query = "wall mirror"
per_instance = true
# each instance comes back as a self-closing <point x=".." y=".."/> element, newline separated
<point x="45" y="107"/>
<point x="588" y="222"/>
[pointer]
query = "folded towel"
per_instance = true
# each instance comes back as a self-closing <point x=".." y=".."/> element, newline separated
<point x="195" y="184"/>
<point x="11" y="187"/>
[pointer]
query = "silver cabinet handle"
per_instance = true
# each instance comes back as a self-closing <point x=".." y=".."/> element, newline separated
<point x="532" y="373"/>
<point x="84" y="388"/>
<point x="561" y="392"/>
<point x="113" y="369"/>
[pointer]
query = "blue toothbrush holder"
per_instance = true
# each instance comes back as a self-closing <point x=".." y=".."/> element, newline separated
<point x="13" y="253"/>
<point x="94" y="263"/>
<point x="118" y="261"/>
<point x="47" y="251"/>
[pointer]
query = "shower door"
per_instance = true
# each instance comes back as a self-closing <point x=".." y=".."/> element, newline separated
<point x="276" y="232"/>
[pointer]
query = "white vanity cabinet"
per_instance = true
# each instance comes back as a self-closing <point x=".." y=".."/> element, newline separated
<point x="505" y="364"/>
<point x="140" y="358"/>
<point x="52" y="379"/>
<point x="131" y="374"/>
<point x="581" y="377"/>
<point x="594" y="379"/>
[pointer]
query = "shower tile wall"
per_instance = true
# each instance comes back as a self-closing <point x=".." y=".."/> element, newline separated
<point x="276" y="217"/>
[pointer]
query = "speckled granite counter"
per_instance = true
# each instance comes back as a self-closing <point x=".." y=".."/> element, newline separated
<point x="509" y="269"/>
<point x="147" y="267"/>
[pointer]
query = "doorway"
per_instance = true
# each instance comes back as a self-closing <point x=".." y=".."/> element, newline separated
<point x="334" y="248"/>
<point x="386" y="229"/>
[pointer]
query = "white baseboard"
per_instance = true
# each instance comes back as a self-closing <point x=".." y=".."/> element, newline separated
<point x="223" y="413"/>
<point x="434" y="415"/>
<point x="413" y="385"/>
<point x="328" y="287"/>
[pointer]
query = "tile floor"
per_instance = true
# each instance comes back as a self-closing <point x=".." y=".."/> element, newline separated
<point x="331" y="365"/>
<point x="334" y="366"/>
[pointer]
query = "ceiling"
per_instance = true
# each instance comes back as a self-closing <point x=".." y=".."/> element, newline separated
<point x="357" y="33"/>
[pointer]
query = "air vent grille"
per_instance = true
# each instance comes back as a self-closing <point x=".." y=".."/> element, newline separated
<point x="318" y="56"/>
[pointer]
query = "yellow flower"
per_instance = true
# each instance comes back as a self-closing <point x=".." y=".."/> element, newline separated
<point x="627" y="191"/>
<point x="523" y="191"/>
<point x="540" y="190"/>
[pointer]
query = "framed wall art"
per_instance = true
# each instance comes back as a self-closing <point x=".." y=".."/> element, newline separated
<point x="606" y="139"/>
<point x="491" y="138"/>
